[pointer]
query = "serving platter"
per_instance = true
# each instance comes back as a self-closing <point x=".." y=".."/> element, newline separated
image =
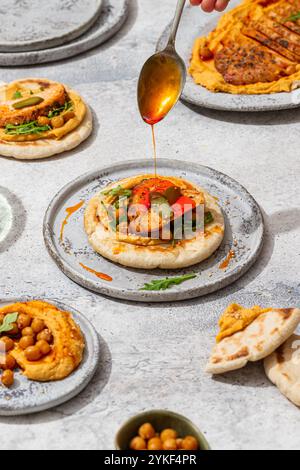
<point x="194" y="24"/>
<point x="26" y="397"/>
<point x="112" y="16"/>
<point x="40" y="24"/>
<point x="244" y="231"/>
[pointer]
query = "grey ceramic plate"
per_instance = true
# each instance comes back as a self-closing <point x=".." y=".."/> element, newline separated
<point x="195" y="23"/>
<point x="27" y="397"/>
<point x="112" y="17"/>
<point x="244" y="223"/>
<point x="40" y="24"/>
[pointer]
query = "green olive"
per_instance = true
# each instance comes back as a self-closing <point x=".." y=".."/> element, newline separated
<point x="35" y="100"/>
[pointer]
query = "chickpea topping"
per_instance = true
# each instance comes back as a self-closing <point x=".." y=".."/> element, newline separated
<point x="44" y="347"/>
<point x="7" y="362"/>
<point x="68" y="115"/>
<point x="147" y="431"/>
<point x="6" y="344"/>
<point x="37" y="325"/>
<point x="190" y="443"/>
<point x="23" y="321"/>
<point x="7" y="378"/>
<point x="170" y="444"/>
<point x="179" y="443"/>
<point x="33" y="354"/>
<point x="27" y="331"/>
<point x="168" y="434"/>
<point x="57" y="122"/>
<point x="14" y="330"/>
<point x="44" y="121"/>
<point x="45" y="335"/>
<point x="138" y="443"/>
<point x="155" y="444"/>
<point x="26" y="341"/>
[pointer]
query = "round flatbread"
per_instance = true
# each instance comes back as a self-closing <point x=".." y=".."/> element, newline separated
<point x="145" y="253"/>
<point x="53" y="142"/>
<point x="257" y="341"/>
<point x="283" y="369"/>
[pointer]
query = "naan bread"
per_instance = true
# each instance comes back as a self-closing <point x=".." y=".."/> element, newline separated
<point x="145" y="253"/>
<point x="257" y="341"/>
<point x="283" y="369"/>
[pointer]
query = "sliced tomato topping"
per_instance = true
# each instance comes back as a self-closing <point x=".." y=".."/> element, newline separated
<point x="182" y="205"/>
<point x="142" y="192"/>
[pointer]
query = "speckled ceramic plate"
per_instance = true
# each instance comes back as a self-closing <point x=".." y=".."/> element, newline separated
<point x="195" y="23"/>
<point x="40" y="24"/>
<point x="112" y="17"/>
<point x="27" y="397"/>
<point x="244" y="224"/>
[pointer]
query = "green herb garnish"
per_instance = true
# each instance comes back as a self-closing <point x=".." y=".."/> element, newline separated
<point x="17" y="95"/>
<point x="118" y="192"/>
<point x="57" y="111"/>
<point x="294" y="17"/>
<point x="208" y="218"/>
<point x="8" y="322"/>
<point x="164" y="284"/>
<point x="25" y="129"/>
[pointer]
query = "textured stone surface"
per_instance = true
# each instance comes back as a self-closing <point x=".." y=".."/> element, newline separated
<point x="154" y="354"/>
<point x="23" y="27"/>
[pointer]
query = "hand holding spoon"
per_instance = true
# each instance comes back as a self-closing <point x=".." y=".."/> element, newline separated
<point x="162" y="78"/>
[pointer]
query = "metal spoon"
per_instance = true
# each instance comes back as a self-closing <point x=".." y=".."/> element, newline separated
<point x="162" y="78"/>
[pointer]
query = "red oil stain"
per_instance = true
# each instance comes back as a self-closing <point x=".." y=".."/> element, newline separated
<point x="104" y="277"/>
<point x="70" y="211"/>
<point x="226" y="262"/>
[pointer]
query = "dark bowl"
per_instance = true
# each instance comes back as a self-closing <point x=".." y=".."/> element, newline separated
<point x="160" y="420"/>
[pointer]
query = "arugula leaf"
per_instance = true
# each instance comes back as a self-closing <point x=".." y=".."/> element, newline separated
<point x="118" y="192"/>
<point x="293" y="17"/>
<point x="17" y="95"/>
<point x="25" y="129"/>
<point x="208" y="218"/>
<point x="57" y="111"/>
<point x="164" y="284"/>
<point x="8" y="321"/>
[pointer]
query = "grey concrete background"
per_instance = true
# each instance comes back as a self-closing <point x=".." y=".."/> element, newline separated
<point x="153" y="356"/>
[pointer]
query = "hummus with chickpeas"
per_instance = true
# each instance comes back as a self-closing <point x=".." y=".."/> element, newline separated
<point x="40" y="118"/>
<point x="41" y="340"/>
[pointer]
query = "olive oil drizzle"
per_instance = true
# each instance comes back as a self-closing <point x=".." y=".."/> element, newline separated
<point x="154" y="149"/>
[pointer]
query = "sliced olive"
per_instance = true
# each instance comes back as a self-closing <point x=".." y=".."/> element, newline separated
<point x="172" y="194"/>
<point x="35" y="100"/>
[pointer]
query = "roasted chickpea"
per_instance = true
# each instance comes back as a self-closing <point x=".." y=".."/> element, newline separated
<point x="190" y="443"/>
<point x="45" y="335"/>
<point x="44" y="121"/>
<point x="7" y="378"/>
<point x="155" y="444"/>
<point x="7" y="362"/>
<point x="33" y="353"/>
<point x="27" y="331"/>
<point x="24" y="321"/>
<point x="147" y="431"/>
<point x="179" y="443"/>
<point x="6" y="344"/>
<point x="170" y="444"/>
<point x="57" y="122"/>
<point x="69" y="115"/>
<point x="44" y="347"/>
<point x="138" y="443"/>
<point x="168" y="434"/>
<point x="26" y="341"/>
<point x="37" y="325"/>
<point x="14" y="330"/>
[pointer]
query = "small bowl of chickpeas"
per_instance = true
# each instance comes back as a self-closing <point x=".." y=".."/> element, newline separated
<point x="160" y="430"/>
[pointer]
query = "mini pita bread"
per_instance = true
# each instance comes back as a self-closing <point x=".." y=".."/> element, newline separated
<point x="283" y="369"/>
<point x="44" y="148"/>
<point x="144" y="253"/>
<point x="257" y="341"/>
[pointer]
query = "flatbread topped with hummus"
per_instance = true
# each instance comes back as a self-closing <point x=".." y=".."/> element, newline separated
<point x="255" y="49"/>
<point x="40" y="118"/>
<point x="43" y="341"/>
<point x="283" y="369"/>
<point x="151" y="222"/>
<point x="249" y="335"/>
